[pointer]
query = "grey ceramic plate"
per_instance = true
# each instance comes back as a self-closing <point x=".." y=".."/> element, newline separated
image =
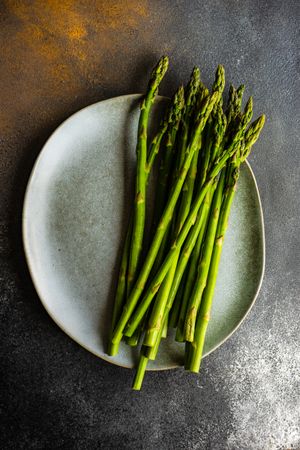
<point x="76" y="206"/>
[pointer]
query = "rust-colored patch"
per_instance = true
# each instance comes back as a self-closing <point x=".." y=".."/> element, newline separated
<point x="65" y="41"/>
<point x="59" y="56"/>
<point x="58" y="50"/>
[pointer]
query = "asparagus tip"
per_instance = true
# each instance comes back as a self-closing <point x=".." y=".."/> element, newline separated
<point x="219" y="82"/>
<point x="159" y="72"/>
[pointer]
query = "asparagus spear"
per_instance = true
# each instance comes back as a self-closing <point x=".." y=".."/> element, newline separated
<point x="166" y="218"/>
<point x="167" y="157"/>
<point x="165" y="176"/>
<point x="239" y="94"/>
<point x="189" y="100"/>
<point x="121" y="286"/>
<point x="140" y="190"/>
<point x="155" y="321"/>
<point x="187" y="194"/>
<point x="191" y="91"/>
<point x="195" y="237"/>
<point x="233" y="109"/>
<point x="146" y="354"/>
<point x="203" y="267"/>
<point x="219" y="82"/>
<point x="195" y="92"/>
<point x="139" y="375"/>
<point x="215" y="137"/>
<point x="251" y="137"/>
<point x="171" y="125"/>
<point x="214" y="134"/>
<point x="155" y="324"/>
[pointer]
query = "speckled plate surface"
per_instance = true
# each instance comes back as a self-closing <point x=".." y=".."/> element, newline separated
<point x="75" y="211"/>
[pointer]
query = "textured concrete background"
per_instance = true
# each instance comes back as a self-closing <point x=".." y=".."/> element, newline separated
<point x="59" y="56"/>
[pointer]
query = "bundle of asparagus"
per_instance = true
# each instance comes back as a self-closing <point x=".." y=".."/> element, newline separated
<point x="201" y="146"/>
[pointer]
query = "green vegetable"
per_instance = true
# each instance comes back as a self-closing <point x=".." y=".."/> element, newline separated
<point x="201" y="148"/>
<point x="141" y="176"/>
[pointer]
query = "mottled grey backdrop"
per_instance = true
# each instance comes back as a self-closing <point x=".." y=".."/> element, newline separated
<point x="60" y="56"/>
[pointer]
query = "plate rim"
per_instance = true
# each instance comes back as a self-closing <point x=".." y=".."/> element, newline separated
<point x="26" y="245"/>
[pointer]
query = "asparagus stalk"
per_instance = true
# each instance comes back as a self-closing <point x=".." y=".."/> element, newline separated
<point x="147" y="353"/>
<point x="203" y="267"/>
<point x="140" y="190"/>
<point x="215" y="122"/>
<point x="215" y="130"/>
<point x="233" y="108"/>
<point x="151" y="352"/>
<point x="195" y="237"/>
<point x="167" y="157"/>
<point x="219" y="128"/>
<point x="170" y="125"/>
<point x="251" y="137"/>
<point x="186" y="252"/>
<point x="154" y="149"/>
<point x="230" y="111"/>
<point x="165" y="220"/>
<point x="121" y="286"/>
<point x="195" y="300"/>
<point x="189" y="99"/>
<point x="214" y="133"/>
<point x="239" y="95"/>
<point x="140" y="373"/>
<point x="215" y="136"/>
<point x="219" y="82"/>
<point x="194" y="243"/>
<point x="165" y="171"/>
<point x="155" y="321"/>
<point x="187" y="192"/>
<point x="156" y="315"/>
<point x="192" y="90"/>
<point x="204" y="313"/>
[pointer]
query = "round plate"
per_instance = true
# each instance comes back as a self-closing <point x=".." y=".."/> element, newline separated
<point x="74" y="221"/>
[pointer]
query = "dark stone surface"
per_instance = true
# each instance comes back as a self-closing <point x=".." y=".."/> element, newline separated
<point x="60" y="56"/>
